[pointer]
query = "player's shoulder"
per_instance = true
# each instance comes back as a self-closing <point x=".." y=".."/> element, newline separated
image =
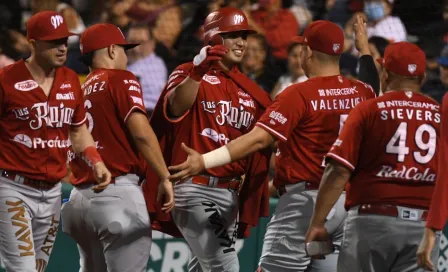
<point x="12" y="71"/>
<point x="184" y="68"/>
<point x="119" y="75"/>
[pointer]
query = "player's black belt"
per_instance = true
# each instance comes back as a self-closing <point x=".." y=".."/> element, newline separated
<point x="223" y="183"/>
<point x="308" y="186"/>
<point x="34" y="183"/>
<point x="387" y="210"/>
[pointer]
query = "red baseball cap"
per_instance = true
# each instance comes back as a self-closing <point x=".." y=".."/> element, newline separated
<point x="404" y="59"/>
<point x="323" y="36"/>
<point x="46" y="26"/>
<point x="101" y="36"/>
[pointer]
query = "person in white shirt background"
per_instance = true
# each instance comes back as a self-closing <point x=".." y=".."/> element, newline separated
<point x="295" y="72"/>
<point x="149" y="68"/>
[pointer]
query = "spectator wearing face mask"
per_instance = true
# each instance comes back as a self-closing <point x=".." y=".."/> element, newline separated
<point x="381" y="23"/>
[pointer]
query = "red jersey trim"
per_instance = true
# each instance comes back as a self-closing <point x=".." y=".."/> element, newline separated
<point x="80" y="123"/>
<point x="341" y="160"/>
<point x="131" y="111"/>
<point x="271" y="131"/>
<point x="165" y="110"/>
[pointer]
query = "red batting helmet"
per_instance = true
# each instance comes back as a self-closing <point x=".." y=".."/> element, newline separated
<point x="224" y="20"/>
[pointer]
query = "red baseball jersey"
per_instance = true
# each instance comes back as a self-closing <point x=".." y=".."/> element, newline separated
<point x="438" y="212"/>
<point x="110" y="98"/>
<point x="34" y="136"/>
<point x="222" y="112"/>
<point x="307" y="118"/>
<point x="390" y="144"/>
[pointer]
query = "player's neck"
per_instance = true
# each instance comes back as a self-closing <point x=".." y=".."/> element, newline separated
<point x="405" y="87"/>
<point x="226" y="65"/>
<point x="325" y="72"/>
<point x="39" y="70"/>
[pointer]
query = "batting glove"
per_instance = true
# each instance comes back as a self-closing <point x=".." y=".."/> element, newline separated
<point x="203" y="61"/>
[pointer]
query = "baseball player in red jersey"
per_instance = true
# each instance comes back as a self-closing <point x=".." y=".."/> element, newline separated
<point x="387" y="151"/>
<point x="438" y="211"/>
<point x="208" y="103"/>
<point x="41" y="108"/>
<point x="112" y="228"/>
<point x="306" y="118"/>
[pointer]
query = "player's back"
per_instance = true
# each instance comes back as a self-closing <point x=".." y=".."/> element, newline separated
<point x="397" y="161"/>
<point x="110" y="98"/>
<point x="321" y="106"/>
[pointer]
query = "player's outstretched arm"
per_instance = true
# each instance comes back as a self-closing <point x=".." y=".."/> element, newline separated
<point x="181" y="98"/>
<point x="331" y="186"/>
<point x="237" y="149"/>
<point x="82" y="142"/>
<point x="367" y="69"/>
<point x="148" y="145"/>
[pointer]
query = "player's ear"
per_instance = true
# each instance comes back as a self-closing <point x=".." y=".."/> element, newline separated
<point x="422" y="79"/>
<point x="111" y="50"/>
<point x="33" y="44"/>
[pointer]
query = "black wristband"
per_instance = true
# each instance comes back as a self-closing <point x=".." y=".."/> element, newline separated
<point x="368" y="73"/>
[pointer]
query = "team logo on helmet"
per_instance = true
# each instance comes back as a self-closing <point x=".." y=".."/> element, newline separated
<point x="238" y="19"/>
<point x="412" y="68"/>
<point x="56" y="20"/>
<point x="336" y="47"/>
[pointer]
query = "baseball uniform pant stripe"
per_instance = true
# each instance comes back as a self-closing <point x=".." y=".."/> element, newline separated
<point x="377" y="243"/>
<point x="207" y="219"/>
<point x="283" y="247"/>
<point x="29" y="220"/>
<point x="111" y="228"/>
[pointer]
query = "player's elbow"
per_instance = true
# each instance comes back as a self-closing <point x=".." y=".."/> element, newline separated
<point x="262" y="139"/>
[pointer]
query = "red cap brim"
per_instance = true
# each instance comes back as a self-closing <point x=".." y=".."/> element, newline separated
<point x="57" y="37"/>
<point x="299" y="40"/>
<point x="128" y="46"/>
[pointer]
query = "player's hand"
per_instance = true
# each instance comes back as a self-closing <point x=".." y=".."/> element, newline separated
<point x="425" y="249"/>
<point x="317" y="233"/>
<point x="203" y="61"/>
<point x="102" y="176"/>
<point x="361" y="40"/>
<point x="191" y="167"/>
<point x="165" y="195"/>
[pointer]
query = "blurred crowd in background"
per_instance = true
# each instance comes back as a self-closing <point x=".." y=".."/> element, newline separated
<point x="170" y="33"/>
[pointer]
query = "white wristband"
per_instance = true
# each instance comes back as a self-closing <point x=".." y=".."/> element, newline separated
<point x="217" y="157"/>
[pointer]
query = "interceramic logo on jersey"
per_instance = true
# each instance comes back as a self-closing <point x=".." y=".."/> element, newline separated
<point x="26" y="85"/>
